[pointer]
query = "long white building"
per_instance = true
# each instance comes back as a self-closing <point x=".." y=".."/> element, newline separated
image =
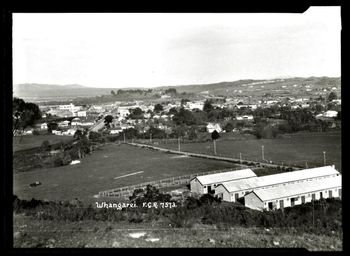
<point x="292" y="194"/>
<point x="232" y="190"/>
<point x="207" y="183"/>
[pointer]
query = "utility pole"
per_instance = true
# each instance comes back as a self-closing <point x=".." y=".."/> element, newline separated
<point x="150" y="137"/>
<point x="324" y="157"/>
<point x="214" y="147"/>
<point x="178" y="143"/>
<point x="262" y="152"/>
<point x="240" y="157"/>
<point x="306" y="165"/>
<point x="124" y="136"/>
<point x="313" y="214"/>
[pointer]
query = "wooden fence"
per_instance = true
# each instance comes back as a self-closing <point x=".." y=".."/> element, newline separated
<point x="170" y="182"/>
<point x="163" y="183"/>
<point x="220" y="158"/>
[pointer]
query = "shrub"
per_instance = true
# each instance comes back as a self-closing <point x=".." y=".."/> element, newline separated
<point x="66" y="159"/>
<point x="57" y="161"/>
<point x="181" y="218"/>
<point x="36" y="132"/>
<point x="45" y="145"/>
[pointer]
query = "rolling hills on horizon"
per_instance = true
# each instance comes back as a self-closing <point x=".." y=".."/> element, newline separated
<point x="43" y="92"/>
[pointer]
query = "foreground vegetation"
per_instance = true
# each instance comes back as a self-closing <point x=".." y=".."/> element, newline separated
<point x="321" y="221"/>
<point x="30" y="233"/>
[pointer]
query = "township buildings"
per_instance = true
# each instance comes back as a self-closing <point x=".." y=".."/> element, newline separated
<point x="207" y="183"/>
<point x="272" y="191"/>
<point x="292" y="194"/>
<point x="230" y="191"/>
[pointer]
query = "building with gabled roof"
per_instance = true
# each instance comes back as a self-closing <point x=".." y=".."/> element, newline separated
<point x="207" y="183"/>
<point x="292" y="194"/>
<point x="232" y="190"/>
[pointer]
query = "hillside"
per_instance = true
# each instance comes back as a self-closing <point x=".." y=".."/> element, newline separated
<point x="259" y="85"/>
<point x="42" y="92"/>
<point x="46" y="92"/>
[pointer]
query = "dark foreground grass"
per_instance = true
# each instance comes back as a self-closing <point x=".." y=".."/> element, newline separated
<point x="52" y="224"/>
<point x="96" y="172"/>
<point x="29" y="233"/>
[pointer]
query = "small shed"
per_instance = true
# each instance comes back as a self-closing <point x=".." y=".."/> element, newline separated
<point x="290" y="195"/>
<point x="207" y="183"/>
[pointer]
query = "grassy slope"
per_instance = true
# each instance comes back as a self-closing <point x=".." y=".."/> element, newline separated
<point x="33" y="141"/>
<point x="97" y="172"/>
<point x="33" y="233"/>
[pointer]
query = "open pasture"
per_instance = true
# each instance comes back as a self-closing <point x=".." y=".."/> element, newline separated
<point x="299" y="148"/>
<point x="111" y="167"/>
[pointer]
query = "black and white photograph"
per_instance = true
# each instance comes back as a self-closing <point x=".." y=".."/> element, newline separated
<point x="177" y="130"/>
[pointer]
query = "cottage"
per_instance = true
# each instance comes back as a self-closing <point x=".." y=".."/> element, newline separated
<point x="28" y="132"/>
<point x="56" y="132"/>
<point x="86" y="123"/>
<point x="69" y="132"/>
<point x="116" y="130"/>
<point x="75" y="121"/>
<point x="195" y="105"/>
<point x="123" y="111"/>
<point x="207" y="183"/>
<point x="232" y="190"/>
<point x="290" y="195"/>
<point x="63" y="123"/>
<point x="43" y="126"/>
<point x="81" y="113"/>
<point x="211" y="127"/>
<point x="245" y="118"/>
<point x="330" y="113"/>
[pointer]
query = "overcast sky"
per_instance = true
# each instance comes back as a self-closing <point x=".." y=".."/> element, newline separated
<point x="147" y="50"/>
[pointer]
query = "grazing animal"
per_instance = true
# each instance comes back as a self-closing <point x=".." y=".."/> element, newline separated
<point x="35" y="184"/>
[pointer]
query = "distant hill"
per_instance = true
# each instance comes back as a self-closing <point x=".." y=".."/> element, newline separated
<point x="280" y="86"/>
<point x="271" y="84"/>
<point x="41" y="92"/>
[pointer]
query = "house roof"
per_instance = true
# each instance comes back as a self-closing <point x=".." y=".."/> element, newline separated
<point x="225" y="176"/>
<point x="296" y="189"/>
<point x="279" y="178"/>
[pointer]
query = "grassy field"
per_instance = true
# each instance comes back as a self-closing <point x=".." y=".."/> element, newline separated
<point x="297" y="148"/>
<point x="29" y="232"/>
<point x="97" y="172"/>
<point x="33" y="141"/>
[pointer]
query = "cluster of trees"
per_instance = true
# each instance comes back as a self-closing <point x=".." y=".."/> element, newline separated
<point x="24" y="114"/>
<point x="170" y="91"/>
<point x="131" y="91"/>
<point x="136" y="113"/>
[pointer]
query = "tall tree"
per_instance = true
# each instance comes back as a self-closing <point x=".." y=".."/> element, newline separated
<point x="207" y="106"/>
<point x="108" y="120"/>
<point x="214" y="136"/>
<point x="23" y="115"/>
<point x="158" y="108"/>
<point x="332" y="96"/>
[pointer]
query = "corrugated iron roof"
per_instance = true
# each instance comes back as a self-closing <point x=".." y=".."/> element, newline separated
<point x="225" y="176"/>
<point x="269" y="180"/>
<point x="290" y="190"/>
